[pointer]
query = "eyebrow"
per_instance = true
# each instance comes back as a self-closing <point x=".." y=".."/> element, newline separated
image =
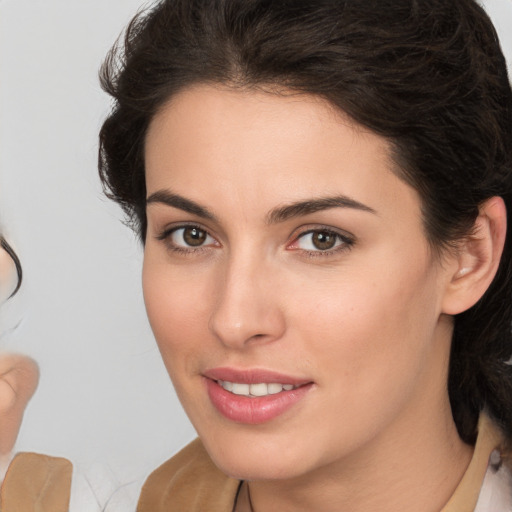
<point x="309" y="206"/>
<point x="275" y="216"/>
<point x="181" y="203"/>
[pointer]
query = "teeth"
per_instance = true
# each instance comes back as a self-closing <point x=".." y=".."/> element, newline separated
<point x="253" y="390"/>
<point x="258" y="389"/>
<point x="240" y="389"/>
<point x="274" y="388"/>
<point x="228" y="386"/>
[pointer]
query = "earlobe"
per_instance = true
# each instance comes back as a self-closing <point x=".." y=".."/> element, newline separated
<point x="477" y="258"/>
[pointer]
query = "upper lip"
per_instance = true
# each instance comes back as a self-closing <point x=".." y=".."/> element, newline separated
<point x="253" y="376"/>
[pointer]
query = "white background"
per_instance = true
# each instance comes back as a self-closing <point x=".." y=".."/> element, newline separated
<point x="104" y="396"/>
<point x="104" y="399"/>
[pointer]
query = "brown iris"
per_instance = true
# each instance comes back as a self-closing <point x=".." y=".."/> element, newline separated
<point x="323" y="240"/>
<point x="194" y="236"/>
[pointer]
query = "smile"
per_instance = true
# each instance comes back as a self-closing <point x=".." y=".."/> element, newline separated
<point x="254" y="396"/>
<point x="255" y="390"/>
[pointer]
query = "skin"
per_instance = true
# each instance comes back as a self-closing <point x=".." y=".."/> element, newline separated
<point x="366" y="321"/>
<point x="19" y="376"/>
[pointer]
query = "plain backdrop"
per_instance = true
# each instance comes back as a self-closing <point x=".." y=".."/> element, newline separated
<point x="104" y="397"/>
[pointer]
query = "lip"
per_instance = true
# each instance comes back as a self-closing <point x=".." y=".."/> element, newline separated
<point x="253" y="376"/>
<point x="253" y="410"/>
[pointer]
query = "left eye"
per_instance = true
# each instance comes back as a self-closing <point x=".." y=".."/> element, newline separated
<point x="319" y="240"/>
<point x="191" y="236"/>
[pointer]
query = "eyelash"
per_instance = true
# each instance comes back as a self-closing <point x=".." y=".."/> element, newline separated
<point x="344" y="242"/>
<point x="166" y="236"/>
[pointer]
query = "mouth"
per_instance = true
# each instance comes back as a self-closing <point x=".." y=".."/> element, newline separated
<point x="253" y="396"/>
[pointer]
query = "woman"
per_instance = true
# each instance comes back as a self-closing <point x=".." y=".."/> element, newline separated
<point x="29" y="482"/>
<point x="19" y="374"/>
<point x="322" y="192"/>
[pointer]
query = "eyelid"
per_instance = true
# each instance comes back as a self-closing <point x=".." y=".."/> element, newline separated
<point x="162" y="233"/>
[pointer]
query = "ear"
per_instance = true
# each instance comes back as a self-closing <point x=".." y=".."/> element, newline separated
<point x="477" y="259"/>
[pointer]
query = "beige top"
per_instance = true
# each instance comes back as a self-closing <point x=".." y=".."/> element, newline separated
<point x="466" y="495"/>
<point x="190" y="481"/>
<point x="36" y="483"/>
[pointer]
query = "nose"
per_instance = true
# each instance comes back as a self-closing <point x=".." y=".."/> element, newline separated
<point x="247" y="309"/>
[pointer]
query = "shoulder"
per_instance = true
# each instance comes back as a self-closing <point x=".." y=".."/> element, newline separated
<point x="33" y="479"/>
<point x="496" y="491"/>
<point x="188" y="481"/>
<point x="486" y="485"/>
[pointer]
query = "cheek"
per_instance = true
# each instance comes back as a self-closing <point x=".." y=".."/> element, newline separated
<point x="372" y="330"/>
<point x="177" y="308"/>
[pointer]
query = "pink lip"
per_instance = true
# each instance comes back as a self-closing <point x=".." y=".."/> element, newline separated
<point x="257" y="410"/>
<point x="252" y="376"/>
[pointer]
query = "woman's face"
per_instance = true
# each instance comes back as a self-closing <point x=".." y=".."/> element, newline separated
<point x="283" y="252"/>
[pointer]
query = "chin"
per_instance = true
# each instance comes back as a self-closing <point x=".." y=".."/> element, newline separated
<point x="262" y="468"/>
<point x="253" y="457"/>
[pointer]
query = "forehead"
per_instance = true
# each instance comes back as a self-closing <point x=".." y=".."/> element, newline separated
<point x="217" y="144"/>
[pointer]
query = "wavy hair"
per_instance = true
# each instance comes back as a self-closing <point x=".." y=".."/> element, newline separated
<point x="19" y="271"/>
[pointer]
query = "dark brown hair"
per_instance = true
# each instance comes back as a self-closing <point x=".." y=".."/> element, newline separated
<point x="428" y="75"/>
<point x="8" y="249"/>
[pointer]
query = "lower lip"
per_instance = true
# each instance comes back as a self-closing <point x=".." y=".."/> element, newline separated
<point x="243" y="409"/>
